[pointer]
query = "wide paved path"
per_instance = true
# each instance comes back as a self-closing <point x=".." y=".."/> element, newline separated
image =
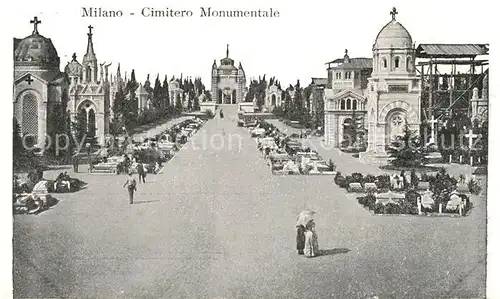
<point x="217" y="224"/>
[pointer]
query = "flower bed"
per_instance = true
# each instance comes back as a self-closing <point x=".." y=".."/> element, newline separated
<point x="285" y="154"/>
<point x="410" y="194"/>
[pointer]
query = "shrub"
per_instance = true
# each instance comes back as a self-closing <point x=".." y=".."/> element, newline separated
<point x="474" y="187"/>
<point x="411" y="197"/>
<point x="357" y="178"/>
<point x="379" y="208"/>
<point x="367" y="201"/>
<point x="306" y="170"/>
<point x="208" y="113"/>
<point x="383" y="181"/>
<point x="331" y="165"/>
<point x="424" y="177"/>
<point x="370" y="178"/>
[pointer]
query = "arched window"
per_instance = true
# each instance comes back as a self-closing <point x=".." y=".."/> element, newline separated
<point x="342" y="105"/>
<point x="348" y="106"/>
<point x="396" y="62"/>
<point x="29" y="123"/>
<point x="354" y="104"/>
<point x="89" y="74"/>
<point x="384" y="62"/>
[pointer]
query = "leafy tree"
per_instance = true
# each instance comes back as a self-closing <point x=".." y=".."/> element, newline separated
<point x="178" y="104"/>
<point x="157" y="94"/>
<point x="190" y="101"/>
<point x="406" y="150"/>
<point x="118" y="103"/>
<point x="196" y="102"/>
<point x="17" y="141"/>
<point x="129" y="107"/>
<point x="56" y="123"/>
<point x="79" y="128"/>
<point x="165" y="94"/>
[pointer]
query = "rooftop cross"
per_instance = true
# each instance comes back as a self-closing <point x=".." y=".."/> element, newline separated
<point x="90" y="30"/>
<point x="227" y="50"/>
<point x="74" y="56"/>
<point x="393" y="13"/>
<point x="35" y="23"/>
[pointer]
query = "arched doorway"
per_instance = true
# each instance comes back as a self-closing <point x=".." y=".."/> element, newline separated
<point x="273" y="100"/>
<point x="219" y="97"/>
<point x="29" y="124"/>
<point x="395" y="125"/>
<point x="86" y="119"/>
<point x="348" y="133"/>
<point x="233" y="98"/>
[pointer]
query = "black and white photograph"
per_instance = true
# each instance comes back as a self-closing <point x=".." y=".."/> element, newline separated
<point x="237" y="149"/>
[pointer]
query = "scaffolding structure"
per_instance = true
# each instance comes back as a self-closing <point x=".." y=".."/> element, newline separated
<point x="449" y="73"/>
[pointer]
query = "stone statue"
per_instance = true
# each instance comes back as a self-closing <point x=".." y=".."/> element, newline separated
<point x="102" y="71"/>
<point x="106" y="70"/>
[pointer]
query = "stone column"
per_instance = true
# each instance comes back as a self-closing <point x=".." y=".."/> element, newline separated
<point x="380" y="139"/>
<point x="328" y="132"/>
<point x="99" y="119"/>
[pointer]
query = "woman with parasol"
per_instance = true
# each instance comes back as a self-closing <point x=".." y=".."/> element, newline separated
<point x="311" y="240"/>
<point x="303" y="221"/>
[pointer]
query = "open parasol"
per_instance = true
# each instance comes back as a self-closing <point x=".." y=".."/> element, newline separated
<point x="304" y="217"/>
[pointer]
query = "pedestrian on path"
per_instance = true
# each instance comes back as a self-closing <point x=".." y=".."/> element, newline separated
<point x="131" y="186"/>
<point x="75" y="164"/>
<point x="301" y="239"/>
<point x="311" y="242"/>
<point x="142" y="173"/>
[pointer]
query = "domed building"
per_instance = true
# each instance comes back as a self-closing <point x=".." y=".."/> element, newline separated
<point x="40" y="88"/>
<point x="228" y="82"/>
<point x="393" y="91"/>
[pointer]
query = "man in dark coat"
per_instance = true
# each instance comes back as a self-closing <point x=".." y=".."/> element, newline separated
<point x="75" y="164"/>
<point x="142" y="172"/>
<point x="301" y="238"/>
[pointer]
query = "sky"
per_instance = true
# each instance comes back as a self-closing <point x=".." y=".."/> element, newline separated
<point x="294" y="46"/>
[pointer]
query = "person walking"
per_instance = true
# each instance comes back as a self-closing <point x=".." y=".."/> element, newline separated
<point x="75" y="164"/>
<point x="131" y="186"/>
<point x="301" y="239"/>
<point x="311" y="240"/>
<point x="142" y="173"/>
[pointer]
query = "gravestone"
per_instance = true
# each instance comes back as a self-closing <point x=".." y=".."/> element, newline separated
<point x="370" y="187"/>
<point x="396" y="182"/>
<point x="423" y="186"/>
<point x="454" y="202"/>
<point x="434" y="157"/>
<point x="354" y="187"/>
<point x="389" y="197"/>
<point x="427" y="200"/>
<point x="462" y="188"/>
<point x="304" y="162"/>
<point x="314" y="170"/>
<point x="291" y="167"/>
<point x="408" y="178"/>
